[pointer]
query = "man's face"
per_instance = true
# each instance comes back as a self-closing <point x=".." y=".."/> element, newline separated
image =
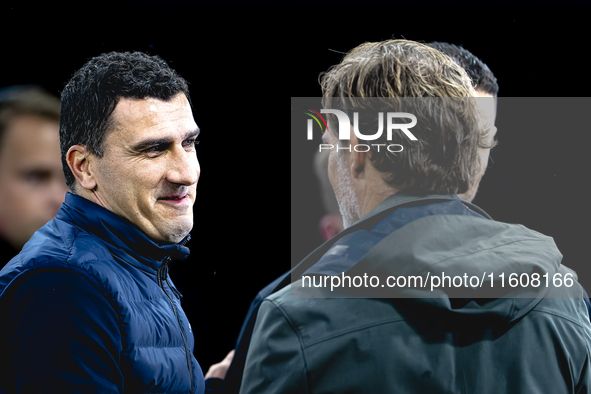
<point x="32" y="184"/>
<point x="149" y="171"/>
<point x="487" y="110"/>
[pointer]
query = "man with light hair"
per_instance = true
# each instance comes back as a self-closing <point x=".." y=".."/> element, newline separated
<point x="486" y="88"/>
<point x="403" y="219"/>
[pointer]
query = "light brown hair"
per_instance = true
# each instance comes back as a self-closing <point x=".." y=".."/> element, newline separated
<point x="411" y="77"/>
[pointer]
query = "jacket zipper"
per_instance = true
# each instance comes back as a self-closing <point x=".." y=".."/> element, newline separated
<point x="162" y="269"/>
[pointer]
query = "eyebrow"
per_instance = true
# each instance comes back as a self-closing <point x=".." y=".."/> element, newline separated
<point x="150" y="142"/>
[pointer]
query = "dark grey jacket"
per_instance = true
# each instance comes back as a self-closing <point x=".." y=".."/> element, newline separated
<point x="523" y="340"/>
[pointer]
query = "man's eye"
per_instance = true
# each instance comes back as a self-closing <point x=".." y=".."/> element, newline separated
<point x="191" y="142"/>
<point x="37" y="177"/>
<point x="155" y="149"/>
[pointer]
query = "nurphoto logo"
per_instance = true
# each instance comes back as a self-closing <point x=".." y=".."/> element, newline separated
<point x="344" y="127"/>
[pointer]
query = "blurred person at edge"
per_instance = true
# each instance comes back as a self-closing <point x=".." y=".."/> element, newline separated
<point x="32" y="184"/>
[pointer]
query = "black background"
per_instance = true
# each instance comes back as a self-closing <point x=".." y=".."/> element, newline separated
<point x="243" y="61"/>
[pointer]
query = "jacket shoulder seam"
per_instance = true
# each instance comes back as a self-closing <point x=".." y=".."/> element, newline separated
<point x="357" y="329"/>
<point x="559" y="316"/>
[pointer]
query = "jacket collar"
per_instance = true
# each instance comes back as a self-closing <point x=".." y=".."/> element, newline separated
<point x="119" y="235"/>
<point x="398" y="199"/>
<point x="381" y="210"/>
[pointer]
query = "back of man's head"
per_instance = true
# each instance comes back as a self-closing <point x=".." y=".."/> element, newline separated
<point x="482" y="77"/>
<point x="90" y="97"/>
<point x="417" y="79"/>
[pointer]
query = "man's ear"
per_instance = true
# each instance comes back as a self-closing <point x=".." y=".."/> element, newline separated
<point x="78" y="159"/>
<point x="359" y="158"/>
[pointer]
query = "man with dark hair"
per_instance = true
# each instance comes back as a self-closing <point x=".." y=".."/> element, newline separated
<point x="487" y="89"/>
<point x="32" y="186"/>
<point x="87" y="305"/>
<point x="404" y="224"/>
<point x="483" y="80"/>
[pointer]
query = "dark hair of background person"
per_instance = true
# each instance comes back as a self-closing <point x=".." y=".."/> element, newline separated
<point x="90" y="97"/>
<point x="444" y="159"/>
<point x="481" y="76"/>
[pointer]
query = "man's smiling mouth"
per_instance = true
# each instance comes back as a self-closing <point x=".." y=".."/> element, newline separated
<point x="174" y="198"/>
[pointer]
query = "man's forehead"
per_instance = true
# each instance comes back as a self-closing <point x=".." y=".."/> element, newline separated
<point x="132" y="107"/>
<point x="487" y="105"/>
<point x="153" y="114"/>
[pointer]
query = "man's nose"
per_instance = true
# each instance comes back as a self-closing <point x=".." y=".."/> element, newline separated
<point x="184" y="168"/>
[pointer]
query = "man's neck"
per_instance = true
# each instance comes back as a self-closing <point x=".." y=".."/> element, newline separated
<point x="373" y="193"/>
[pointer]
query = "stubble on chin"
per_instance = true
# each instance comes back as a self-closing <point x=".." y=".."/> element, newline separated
<point x="345" y="194"/>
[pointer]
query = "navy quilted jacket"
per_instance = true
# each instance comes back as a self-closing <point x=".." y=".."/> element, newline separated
<point x="88" y="307"/>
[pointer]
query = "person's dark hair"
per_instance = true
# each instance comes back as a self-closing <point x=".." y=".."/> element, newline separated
<point x="482" y="78"/>
<point x="412" y="77"/>
<point x="26" y="100"/>
<point x="90" y="97"/>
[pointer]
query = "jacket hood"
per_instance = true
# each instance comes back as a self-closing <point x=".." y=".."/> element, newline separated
<point x="119" y="235"/>
<point x="466" y="263"/>
<point x="460" y="263"/>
